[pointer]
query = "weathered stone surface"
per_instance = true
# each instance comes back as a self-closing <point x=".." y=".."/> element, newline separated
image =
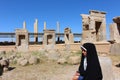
<point x="33" y="60"/>
<point x="27" y="56"/>
<point x="24" y="62"/>
<point x="115" y="49"/>
<point x="106" y="66"/>
<point x="116" y="19"/>
<point x="22" y="39"/>
<point x="94" y="24"/>
<point x="68" y="36"/>
<point x="19" y="60"/>
<point x="49" y="38"/>
<point x="36" y="30"/>
<point x="114" y="33"/>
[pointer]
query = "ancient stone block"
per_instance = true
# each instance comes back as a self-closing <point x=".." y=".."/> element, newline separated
<point x="68" y="36"/>
<point x="95" y="26"/>
<point x="115" y="49"/>
<point x="106" y="66"/>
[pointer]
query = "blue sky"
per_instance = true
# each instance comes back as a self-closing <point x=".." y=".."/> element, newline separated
<point x="67" y="12"/>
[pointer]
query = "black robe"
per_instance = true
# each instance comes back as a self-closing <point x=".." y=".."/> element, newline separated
<point x="93" y="70"/>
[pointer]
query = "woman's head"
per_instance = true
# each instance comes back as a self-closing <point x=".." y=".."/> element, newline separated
<point x="84" y="50"/>
<point x="88" y="49"/>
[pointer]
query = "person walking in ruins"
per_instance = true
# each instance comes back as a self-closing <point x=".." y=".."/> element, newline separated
<point x="89" y="68"/>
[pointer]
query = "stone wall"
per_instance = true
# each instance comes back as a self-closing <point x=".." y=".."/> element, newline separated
<point x="72" y="47"/>
<point x="35" y="47"/>
<point x="101" y="47"/>
<point x="8" y="48"/>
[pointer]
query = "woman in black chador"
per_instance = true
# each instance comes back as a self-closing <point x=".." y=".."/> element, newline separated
<point x="89" y="68"/>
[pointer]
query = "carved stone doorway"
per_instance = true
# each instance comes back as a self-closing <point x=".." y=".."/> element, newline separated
<point x="98" y="31"/>
<point x="21" y="37"/>
<point x="49" y="39"/>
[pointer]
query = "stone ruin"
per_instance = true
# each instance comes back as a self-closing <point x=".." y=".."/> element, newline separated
<point x="22" y="38"/>
<point x="94" y="24"/>
<point x="115" y="30"/>
<point x="68" y="35"/>
<point x="93" y="30"/>
<point x="115" y="36"/>
<point x="36" y="31"/>
<point x="49" y="38"/>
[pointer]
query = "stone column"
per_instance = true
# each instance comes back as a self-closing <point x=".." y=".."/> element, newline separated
<point x="87" y="25"/>
<point x="71" y="36"/>
<point x="58" y="31"/>
<point x="58" y="27"/>
<point x="36" y="31"/>
<point x="44" y="25"/>
<point x="45" y="39"/>
<point x="116" y="29"/>
<point x="114" y="34"/>
<point x="103" y="30"/>
<point x="24" y="25"/>
<point x="92" y="24"/>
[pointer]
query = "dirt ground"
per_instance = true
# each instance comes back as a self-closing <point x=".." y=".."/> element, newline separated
<point x="49" y="70"/>
<point x="45" y="71"/>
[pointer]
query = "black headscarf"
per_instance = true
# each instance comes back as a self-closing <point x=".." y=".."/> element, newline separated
<point x="93" y="70"/>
